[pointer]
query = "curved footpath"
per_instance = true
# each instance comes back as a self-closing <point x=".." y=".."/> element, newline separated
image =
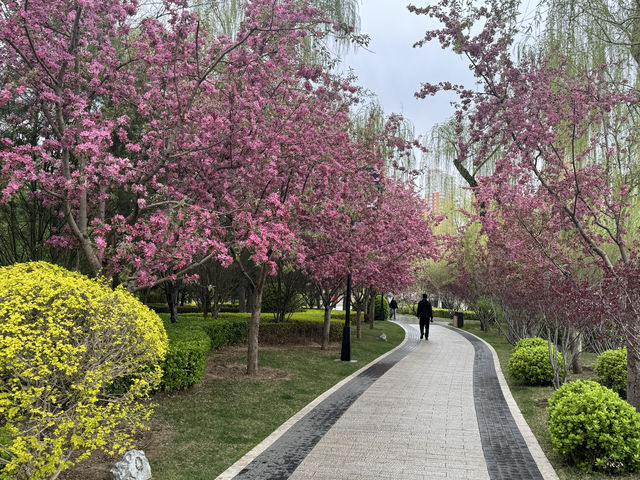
<point x="436" y="409"/>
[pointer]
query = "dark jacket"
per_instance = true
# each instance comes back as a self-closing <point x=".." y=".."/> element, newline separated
<point x="393" y="304"/>
<point x="425" y="312"/>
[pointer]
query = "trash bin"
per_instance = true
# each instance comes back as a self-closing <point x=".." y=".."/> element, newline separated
<point x="458" y="319"/>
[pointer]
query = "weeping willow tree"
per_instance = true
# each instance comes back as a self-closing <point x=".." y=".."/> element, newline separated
<point x="446" y="171"/>
<point x="225" y="17"/>
<point x="370" y="123"/>
<point x="592" y="32"/>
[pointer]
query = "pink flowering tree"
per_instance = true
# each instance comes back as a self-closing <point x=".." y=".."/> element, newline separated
<point x="292" y="143"/>
<point x="130" y="115"/>
<point x="561" y="144"/>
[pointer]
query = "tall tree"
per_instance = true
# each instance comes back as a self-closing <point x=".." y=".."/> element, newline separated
<point x="565" y="151"/>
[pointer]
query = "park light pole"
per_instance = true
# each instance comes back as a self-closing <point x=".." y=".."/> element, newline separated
<point x="345" y="352"/>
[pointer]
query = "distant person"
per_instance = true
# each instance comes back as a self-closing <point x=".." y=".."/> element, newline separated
<point x="425" y="314"/>
<point x="393" y="307"/>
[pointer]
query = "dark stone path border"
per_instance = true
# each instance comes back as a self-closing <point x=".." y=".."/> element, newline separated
<point x="281" y="458"/>
<point x="505" y="450"/>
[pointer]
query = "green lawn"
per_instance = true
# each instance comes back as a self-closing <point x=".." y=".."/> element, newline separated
<point x="199" y="433"/>
<point x="533" y="402"/>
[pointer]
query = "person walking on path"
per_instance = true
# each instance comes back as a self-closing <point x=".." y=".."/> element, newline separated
<point x="425" y="314"/>
<point x="393" y="306"/>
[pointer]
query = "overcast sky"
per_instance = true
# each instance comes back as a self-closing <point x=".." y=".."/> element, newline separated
<point x="394" y="70"/>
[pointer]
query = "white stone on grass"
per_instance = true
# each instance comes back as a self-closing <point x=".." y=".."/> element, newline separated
<point x="134" y="466"/>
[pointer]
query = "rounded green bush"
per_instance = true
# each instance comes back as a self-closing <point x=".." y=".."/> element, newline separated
<point x="594" y="428"/>
<point x="531" y="365"/>
<point x="531" y="342"/>
<point x="611" y="369"/>
<point x="76" y="358"/>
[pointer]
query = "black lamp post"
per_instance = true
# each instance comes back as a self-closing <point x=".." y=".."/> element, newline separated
<point x="345" y="353"/>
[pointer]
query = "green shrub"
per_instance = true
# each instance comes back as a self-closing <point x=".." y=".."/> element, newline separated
<point x="594" y="428"/>
<point x="611" y="369"/>
<point x="531" y="365"/>
<point x="65" y="341"/>
<point x="487" y="311"/>
<point x="468" y="315"/>
<point x="228" y="308"/>
<point x="283" y="302"/>
<point x="336" y="315"/>
<point x="442" y="313"/>
<point x="407" y="309"/>
<point x="186" y="358"/>
<point x="164" y="308"/>
<point x="531" y="342"/>
<point x="380" y="300"/>
<point x="224" y="331"/>
<point x="282" y="333"/>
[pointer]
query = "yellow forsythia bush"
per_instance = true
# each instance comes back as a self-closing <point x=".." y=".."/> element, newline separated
<point x="76" y="358"/>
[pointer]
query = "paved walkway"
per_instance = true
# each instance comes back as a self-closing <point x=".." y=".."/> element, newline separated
<point x="436" y="409"/>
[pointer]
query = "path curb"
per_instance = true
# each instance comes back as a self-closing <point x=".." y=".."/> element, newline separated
<point x="545" y="467"/>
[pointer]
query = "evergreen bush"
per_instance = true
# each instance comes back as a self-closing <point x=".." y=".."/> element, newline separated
<point x="531" y="365"/>
<point x="381" y="302"/>
<point x="225" y="331"/>
<point x="594" y="428"/>
<point x="611" y="369"/>
<point x="186" y="358"/>
<point x="531" y="342"/>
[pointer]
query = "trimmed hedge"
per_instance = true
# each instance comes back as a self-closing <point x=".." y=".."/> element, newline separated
<point x="283" y="333"/>
<point x="190" y="309"/>
<point x="594" y="428"/>
<point x="447" y="313"/>
<point x="187" y="357"/>
<point x="164" y="308"/>
<point x="611" y="369"/>
<point x="227" y="331"/>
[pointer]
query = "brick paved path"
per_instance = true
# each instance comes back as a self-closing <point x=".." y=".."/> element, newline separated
<point x="428" y="410"/>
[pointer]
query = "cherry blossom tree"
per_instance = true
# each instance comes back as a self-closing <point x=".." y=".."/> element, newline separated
<point x="565" y="164"/>
<point x="130" y="114"/>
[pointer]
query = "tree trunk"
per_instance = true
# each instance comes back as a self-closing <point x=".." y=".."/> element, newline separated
<point x="254" y="324"/>
<point x="171" y="291"/>
<point x="576" y="346"/>
<point x="633" y="377"/>
<point x="249" y="299"/>
<point x="635" y="33"/>
<point x="205" y="300"/>
<point x="358" y="324"/>
<point x="217" y="303"/>
<point x="326" y="328"/>
<point x="145" y="296"/>
<point x="372" y="308"/>
<point x="242" y="299"/>
<point x="206" y="306"/>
